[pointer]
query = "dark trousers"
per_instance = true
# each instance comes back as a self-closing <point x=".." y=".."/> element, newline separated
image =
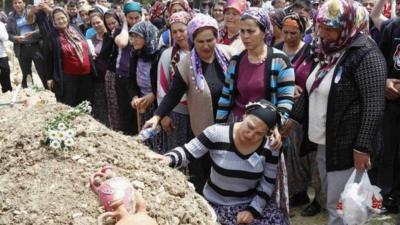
<point x="29" y="53"/>
<point x="388" y="178"/>
<point x="5" y="75"/>
<point x="199" y="172"/>
<point x="127" y="114"/>
<point x="77" y="88"/>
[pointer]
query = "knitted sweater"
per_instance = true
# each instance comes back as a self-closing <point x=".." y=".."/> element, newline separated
<point x="235" y="178"/>
<point x="279" y="77"/>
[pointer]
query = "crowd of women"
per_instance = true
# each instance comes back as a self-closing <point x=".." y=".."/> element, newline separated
<point x="227" y="91"/>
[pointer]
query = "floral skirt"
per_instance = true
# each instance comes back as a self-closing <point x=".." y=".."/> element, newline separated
<point x="272" y="214"/>
<point x="180" y="135"/>
<point x="114" y="116"/>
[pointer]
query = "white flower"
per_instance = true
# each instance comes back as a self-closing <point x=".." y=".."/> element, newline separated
<point x="55" y="144"/>
<point x="70" y="133"/>
<point x="69" y="142"/>
<point x="89" y="109"/>
<point x="52" y="134"/>
<point x="61" y="126"/>
<point x="61" y="135"/>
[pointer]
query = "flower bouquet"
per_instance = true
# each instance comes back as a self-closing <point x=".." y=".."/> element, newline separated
<point x="60" y="132"/>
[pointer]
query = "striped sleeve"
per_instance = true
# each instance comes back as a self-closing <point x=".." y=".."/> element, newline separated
<point x="225" y="102"/>
<point x="194" y="149"/>
<point x="285" y="84"/>
<point x="266" y="185"/>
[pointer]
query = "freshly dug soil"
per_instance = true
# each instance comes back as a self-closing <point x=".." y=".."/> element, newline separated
<point x="39" y="185"/>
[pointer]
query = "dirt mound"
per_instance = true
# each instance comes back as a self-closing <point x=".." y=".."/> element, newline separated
<point x="39" y="185"/>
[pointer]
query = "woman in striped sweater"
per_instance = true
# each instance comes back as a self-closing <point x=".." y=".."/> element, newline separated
<point x="244" y="168"/>
<point x="259" y="72"/>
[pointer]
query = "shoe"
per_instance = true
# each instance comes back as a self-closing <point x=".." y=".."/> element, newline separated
<point x="312" y="209"/>
<point x="389" y="205"/>
<point x="299" y="199"/>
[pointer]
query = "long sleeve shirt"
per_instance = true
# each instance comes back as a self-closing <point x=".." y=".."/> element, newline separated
<point x="235" y="178"/>
<point x="3" y="39"/>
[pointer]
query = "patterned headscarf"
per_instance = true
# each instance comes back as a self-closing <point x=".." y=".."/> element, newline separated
<point x="277" y="17"/>
<point x="71" y="34"/>
<point x="180" y="17"/>
<point x="262" y="19"/>
<point x="157" y="9"/>
<point x="299" y="20"/>
<point x="239" y="5"/>
<point x="339" y="14"/>
<point x="183" y="3"/>
<point x="201" y="21"/>
<point x="148" y="31"/>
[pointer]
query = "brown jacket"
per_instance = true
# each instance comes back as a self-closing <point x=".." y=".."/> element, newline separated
<point x="199" y="102"/>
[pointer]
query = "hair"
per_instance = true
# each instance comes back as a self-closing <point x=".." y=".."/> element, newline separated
<point x="96" y="14"/>
<point x="215" y="32"/>
<point x="72" y="4"/>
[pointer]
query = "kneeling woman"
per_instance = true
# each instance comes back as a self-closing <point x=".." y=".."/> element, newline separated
<point x="244" y="168"/>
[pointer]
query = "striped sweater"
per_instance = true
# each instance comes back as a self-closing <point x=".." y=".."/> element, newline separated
<point x="235" y="178"/>
<point x="279" y="77"/>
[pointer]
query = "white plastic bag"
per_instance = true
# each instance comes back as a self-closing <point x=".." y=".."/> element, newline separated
<point x="359" y="201"/>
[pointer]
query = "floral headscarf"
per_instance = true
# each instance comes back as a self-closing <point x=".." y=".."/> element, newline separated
<point x="148" y="31"/>
<point x="239" y="5"/>
<point x="339" y="14"/>
<point x="71" y="34"/>
<point x="180" y="17"/>
<point x="261" y="17"/>
<point x="201" y="21"/>
<point x="183" y="3"/>
<point x="156" y="10"/>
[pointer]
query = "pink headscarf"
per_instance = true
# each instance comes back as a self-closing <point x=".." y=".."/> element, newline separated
<point x="239" y="5"/>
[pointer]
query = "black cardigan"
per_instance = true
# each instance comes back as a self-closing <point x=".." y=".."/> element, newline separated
<point x="355" y="105"/>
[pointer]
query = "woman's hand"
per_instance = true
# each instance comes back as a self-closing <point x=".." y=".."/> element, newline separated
<point x="50" y="84"/>
<point x="143" y="103"/>
<point x="276" y="140"/>
<point x="161" y="158"/>
<point x="287" y="128"/>
<point x="152" y="122"/>
<point x="244" y="217"/>
<point x="297" y="92"/>
<point x="167" y="124"/>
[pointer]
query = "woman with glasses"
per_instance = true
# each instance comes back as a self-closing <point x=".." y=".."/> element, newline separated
<point x="244" y="170"/>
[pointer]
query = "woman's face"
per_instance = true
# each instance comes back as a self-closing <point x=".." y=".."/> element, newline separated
<point x="251" y="34"/>
<point x="252" y="129"/>
<point x="291" y="35"/>
<point x="218" y="13"/>
<point x="328" y="34"/>
<point x="179" y="33"/>
<point x="60" y="20"/>
<point x="138" y="42"/>
<point x="176" y="8"/>
<point x="111" y="22"/>
<point x="133" y="18"/>
<point x="232" y="18"/>
<point x="146" y="14"/>
<point x="204" y="43"/>
<point x="85" y="16"/>
<point x="98" y="24"/>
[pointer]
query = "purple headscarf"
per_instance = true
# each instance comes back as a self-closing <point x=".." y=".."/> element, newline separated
<point x="261" y="17"/>
<point x="201" y="21"/>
